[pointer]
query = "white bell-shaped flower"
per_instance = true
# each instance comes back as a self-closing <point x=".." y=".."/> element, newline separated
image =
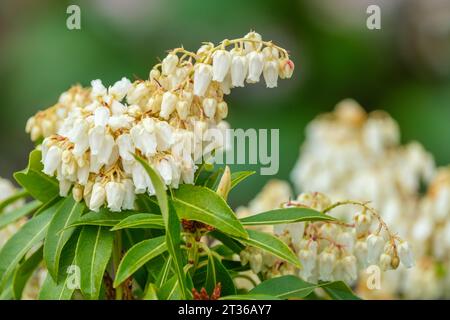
<point x="405" y="254"/>
<point x="115" y="194"/>
<point x="375" y="246"/>
<point x="98" y="196"/>
<point x="221" y="64"/>
<point x="202" y="78"/>
<point x="270" y="73"/>
<point x="169" y="64"/>
<point x="52" y="160"/>
<point x="168" y="104"/>
<point x="239" y="69"/>
<point x="255" y="66"/>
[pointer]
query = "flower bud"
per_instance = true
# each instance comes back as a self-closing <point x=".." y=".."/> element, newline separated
<point x="202" y="78"/>
<point x="183" y="109"/>
<point x="255" y="44"/>
<point x="115" y="194"/>
<point x="169" y="64"/>
<point x="270" y="73"/>
<point x="209" y="107"/>
<point x="225" y="184"/>
<point x="363" y="221"/>
<point x="77" y="193"/>
<point x="221" y="64"/>
<point x="255" y="66"/>
<point x="154" y="74"/>
<point x="405" y="254"/>
<point x="286" y="68"/>
<point x="168" y="104"/>
<point x="120" y="89"/>
<point x="98" y="197"/>
<point x="222" y="110"/>
<point x="52" y="160"/>
<point x="239" y="68"/>
<point x="375" y="246"/>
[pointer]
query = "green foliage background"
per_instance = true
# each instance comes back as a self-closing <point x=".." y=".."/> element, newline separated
<point x="398" y="68"/>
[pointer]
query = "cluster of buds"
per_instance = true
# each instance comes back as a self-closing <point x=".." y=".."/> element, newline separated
<point x="333" y="250"/>
<point x="203" y="294"/>
<point x="167" y="119"/>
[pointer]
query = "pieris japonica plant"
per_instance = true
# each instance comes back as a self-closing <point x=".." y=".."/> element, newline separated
<point x="123" y="207"/>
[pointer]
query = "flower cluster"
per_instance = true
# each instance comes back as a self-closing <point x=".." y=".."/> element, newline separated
<point x="166" y="119"/>
<point x="332" y="250"/>
<point x="351" y="154"/>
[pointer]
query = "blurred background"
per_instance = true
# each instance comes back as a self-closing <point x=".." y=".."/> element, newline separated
<point x="404" y="68"/>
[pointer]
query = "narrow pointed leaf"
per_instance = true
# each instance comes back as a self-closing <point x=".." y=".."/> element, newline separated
<point x="137" y="256"/>
<point x="249" y="297"/>
<point x="204" y="205"/>
<point x="93" y="252"/>
<point x="285" y="287"/>
<point x="11" y="216"/>
<point x="24" y="272"/>
<point x="68" y="277"/>
<point x="238" y="177"/>
<point x="141" y="220"/>
<point x="102" y="218"/>
<point x="58" y="234"/>
<point x="272" y="245"/>
<point x="286" y="215"/>
<point x="217" y="273"/>
<point x="338" y="290"/>
<point x="23" y="240"/>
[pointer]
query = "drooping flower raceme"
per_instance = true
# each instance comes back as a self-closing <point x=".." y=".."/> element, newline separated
<point x="92" y="134"/>
<point x="331" y="250"/>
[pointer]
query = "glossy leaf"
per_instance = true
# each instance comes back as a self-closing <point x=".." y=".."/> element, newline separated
<point x="141" y="220"/>
<point x="238" y="177"/>
<point x="93" y="252"/>
<point x="272" y="245"/>
<point x="68" y="279"/>
<point x="58" y="234"/>
<point x="41" y="186"/>
<point x="172" y="226"/>
<point x="23" y="240"/>
<point x="102" y="218"/>
<point x="137" y="256"/>
<point x="217" y="273"/>
<point x="229" y="242"/>
<point x="25" y="271"/>
<point x="286" y="215"/>
<point x="11" y="216"/>
<point x="249" y="297"/>
<point x="285" y="287"/>
<point x="204" y="205"/>
<point x="338" y="290"/>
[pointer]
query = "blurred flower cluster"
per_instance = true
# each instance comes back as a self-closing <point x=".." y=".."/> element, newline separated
<point x="91" y="134"/>
<point x="327" y="251"/>
<point x="351" y="154"/>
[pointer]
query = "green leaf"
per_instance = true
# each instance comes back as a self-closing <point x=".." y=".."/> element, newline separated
<point x="137" y="256"/>
<point x="286" y="215"/>
<point x="141" y="220"/>
<point x="285" y="287"/>
<point x="338" y="290"/>
<point x="230" y="243"/>
<point x="63" y="288"/>
<point x="272" y="245"/>
<point x="164" y="273"/>
<point x="102" y="218"/>
<point x="150" y="292"/>
<point x="172" y="225"/>
<point x="170" y="290"/>
<point x="41" y="186"/>
<point x="238" y="177"/>
<point x="93" y="252"/>
<point x="216" y="273"/>
<point x="204" y="205"/>
<point x="213" y="179"/>
<point x="11" y="216"/>
<point x="13" y="198"/>
<point x="58" y="232"/>
<point x="24" y="272"/>
<point x="249" y="297"/>
<point x="22" y="241"/>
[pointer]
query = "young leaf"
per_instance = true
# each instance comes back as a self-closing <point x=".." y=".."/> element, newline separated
<point x="102" y="218"/>
<point x="68" y="277"/>
<point x="141" y="220"/>
<point x="170" y="290"/>
<point x="93" y="252"/>
<point x="286" y="215"/>
<point x="172" y="225"/>
<point x="137" y="256"/>
<point x="216" y="273"/>
<point x="58" y="233"/>
<point x="272" y="245"/>
<point x="8" y="217"/>
<point x="338" y="290"/>
<point x="24" y="272"/>
<point x="41" y="186"/>
<point x="285" y="287"/>
<point x="238" y="177"/>
<point x="24" y="239"/>
<point x="204" y="205"/>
